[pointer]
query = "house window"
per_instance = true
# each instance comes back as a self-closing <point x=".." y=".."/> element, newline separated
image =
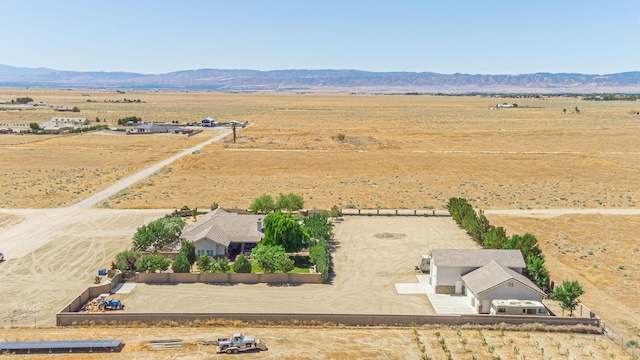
<point x="200" y="253"/>
<point x="510" y="284"/>
<point x="210" y="253"/>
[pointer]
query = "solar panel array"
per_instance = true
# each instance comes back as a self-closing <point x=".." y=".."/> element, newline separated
<point x="60" y="344"/>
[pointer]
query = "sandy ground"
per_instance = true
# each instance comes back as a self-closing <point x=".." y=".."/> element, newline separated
<point x="366" y="266"/>
<point x="55" y="254"/>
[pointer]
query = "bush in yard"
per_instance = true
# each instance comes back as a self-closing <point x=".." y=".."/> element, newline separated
<point x="272" y="259"/>
<point x="188" y="249"/>
<point x="319" y="255"/>
<point x="241" y="265"/>
<point x="318" y="226"/>
<point x="126" y="260"/>
<point x="220" y="265"/>
<point x="205" y="263"/>
<point x="181" y="264"/>
<point x="153" y="263"/>
<point x="158" y="233"/>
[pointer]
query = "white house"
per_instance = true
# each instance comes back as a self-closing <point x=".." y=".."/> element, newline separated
<point x="219" y="233"/>
<point x="494" y="281"/>
<point x="449" y="265"/>
<point x="154" y="128"/>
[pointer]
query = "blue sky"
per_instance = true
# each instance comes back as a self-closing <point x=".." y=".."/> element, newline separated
<point x="472" y="37"/>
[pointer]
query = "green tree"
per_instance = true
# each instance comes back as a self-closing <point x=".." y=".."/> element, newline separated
<point x="241" y="265"/>
<point x="181" y="264"/>
<point x="317" y="250"/>
<point x="318" y="226"/>
<point x="290" y="202"/>
<point x="188" y="249"/>
<point x="568" y="295"/>
<point x="284" y="230"/>
<point x="263" y="204"/>
<point x="494" y="238"/>
<point x="527" y="244"/>
<point x="205" y="263"/>
<point x="476" y="225"/>
<point x="152" y="263"/>
<point x="272" y="259"/>
<point x="537" y="271"/>
<point x="22" y="100"/>
<point x="158" y="233"/>
<point x="34" y="126"/>
<point x="126" y="260"/>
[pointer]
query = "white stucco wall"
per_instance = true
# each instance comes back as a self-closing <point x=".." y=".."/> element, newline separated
<point x="206" y="244"/>
<point x="447" y="276"/>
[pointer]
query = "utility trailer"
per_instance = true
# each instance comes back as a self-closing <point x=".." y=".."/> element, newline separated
<point x="239" y="343"/>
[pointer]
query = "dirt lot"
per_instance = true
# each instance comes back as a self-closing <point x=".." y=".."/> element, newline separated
<point x="60" y="259"/>
<point x="341" y="343"/>
<point x="398" y="151"/>
<point x="366" y="267"/>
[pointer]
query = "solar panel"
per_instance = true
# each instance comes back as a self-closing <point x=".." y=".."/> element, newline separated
<point x="59" y="344"/>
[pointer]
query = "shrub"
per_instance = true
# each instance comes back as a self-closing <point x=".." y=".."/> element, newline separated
<point x="181" y="264"/>
<point x="241" y="265"/>
<point x="126" y="260"/>
<point x="153" y="263"/>
<point x="205" y="263"/>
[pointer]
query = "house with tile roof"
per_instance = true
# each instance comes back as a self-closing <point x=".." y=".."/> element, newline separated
<point x="220" y="233"/>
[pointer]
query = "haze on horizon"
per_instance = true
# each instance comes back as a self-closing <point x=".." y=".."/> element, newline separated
<point x="472" y="37"/>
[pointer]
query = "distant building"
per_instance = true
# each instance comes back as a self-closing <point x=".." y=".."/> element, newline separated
<point x="154" y="128"/>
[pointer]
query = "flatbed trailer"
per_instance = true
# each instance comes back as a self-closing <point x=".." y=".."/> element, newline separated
<point x="258" y="345"/>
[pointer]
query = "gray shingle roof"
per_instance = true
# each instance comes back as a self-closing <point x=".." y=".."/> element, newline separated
<point x="492" y="275"/>
<point x="476" y="257"/>
<point x="224" y="228"/>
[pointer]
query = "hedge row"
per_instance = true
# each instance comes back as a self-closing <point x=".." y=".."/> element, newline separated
<point x="491" y="237"/>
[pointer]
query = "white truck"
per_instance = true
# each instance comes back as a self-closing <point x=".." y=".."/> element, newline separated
<point x="239" y="343"/>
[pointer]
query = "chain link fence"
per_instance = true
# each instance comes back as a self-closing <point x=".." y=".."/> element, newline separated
<point x="617" y="337"/>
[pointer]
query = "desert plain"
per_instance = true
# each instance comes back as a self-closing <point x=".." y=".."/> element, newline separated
<point x="349" y="150"/>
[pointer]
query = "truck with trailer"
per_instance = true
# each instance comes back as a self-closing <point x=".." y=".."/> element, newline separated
<point x="239" y="343"/>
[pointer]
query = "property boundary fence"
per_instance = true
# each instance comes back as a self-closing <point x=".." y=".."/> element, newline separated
<point x="73" y="318"/>
<point x="611" y="333"/>
<point x="397" y="212"/>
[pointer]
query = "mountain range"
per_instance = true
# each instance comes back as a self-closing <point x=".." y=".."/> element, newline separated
<point x="322" y="81"/>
